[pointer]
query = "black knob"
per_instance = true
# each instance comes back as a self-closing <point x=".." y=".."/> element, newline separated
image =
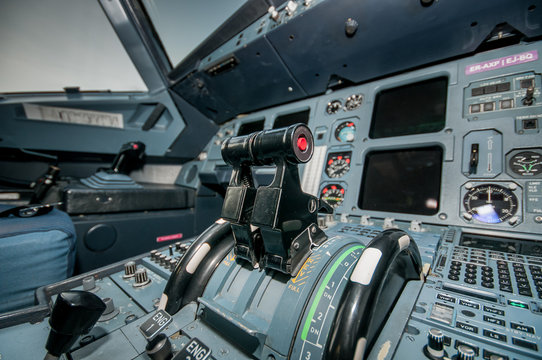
<point x="159" y="348"/>
<point x="435" y="345"/>
<point x="74" y="313"/>
<point x="465" y="352"/>
<point x="529" y="96"/>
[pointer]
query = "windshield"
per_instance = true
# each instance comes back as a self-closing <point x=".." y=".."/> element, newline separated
<point x="49" y="45"/>
<point x="183" y="24"/>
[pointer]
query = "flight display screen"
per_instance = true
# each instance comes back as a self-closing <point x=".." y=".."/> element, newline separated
<point x="402" y="181"/>
<point x="250" y="127"/>
<point x="416" y="108"/>
<point x="292" y="118"/>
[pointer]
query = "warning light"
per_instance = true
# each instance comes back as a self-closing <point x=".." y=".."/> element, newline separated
<point x="342" y="191"/>
<point x="339" y="157"/>
<point x="302" y="143"/>
<point x="347" y="161"/>
<point x="330" y="162"/>
<point x="135" y="146"/>
<point x="333" y="187"/>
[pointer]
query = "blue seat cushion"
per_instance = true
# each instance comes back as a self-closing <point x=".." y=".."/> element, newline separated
<point x="34" y="251"/>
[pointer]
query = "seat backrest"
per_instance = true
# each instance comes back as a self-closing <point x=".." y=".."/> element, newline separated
<point x="34" y="251"/>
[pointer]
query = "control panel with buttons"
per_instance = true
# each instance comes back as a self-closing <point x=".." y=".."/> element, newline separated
<point x="482" y="300"/>
<point x="488" y="99"/>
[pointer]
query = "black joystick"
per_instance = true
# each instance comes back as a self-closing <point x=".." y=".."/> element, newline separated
<point x="74" y="313"/>
<point x="129" y="157"/>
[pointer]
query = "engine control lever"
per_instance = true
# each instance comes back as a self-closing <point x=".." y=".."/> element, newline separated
<point x="282" y="228"/>
<point x="74" y="313"/>
<point x="201" y="249"/>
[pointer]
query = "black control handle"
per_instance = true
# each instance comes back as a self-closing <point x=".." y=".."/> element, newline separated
<point x="390" y="260"/>
<point x="128" y="158"/>
<point x="294" y="143"/>
<point x="74" y="313"/>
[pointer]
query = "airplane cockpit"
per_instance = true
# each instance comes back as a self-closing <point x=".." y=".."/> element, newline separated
<point x="271" y="179"/>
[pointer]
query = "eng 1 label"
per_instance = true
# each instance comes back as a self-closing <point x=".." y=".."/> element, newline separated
<point x="499" y="63"/>
<point x="155" y="324"/>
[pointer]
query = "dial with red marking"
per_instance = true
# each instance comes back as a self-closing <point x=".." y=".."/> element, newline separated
<point x="338" y="163"/>
<point x="333" y="194"/>
<point x="346" y="131"/>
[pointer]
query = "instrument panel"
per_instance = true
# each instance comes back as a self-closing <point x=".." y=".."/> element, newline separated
<point x="453" y="144"/>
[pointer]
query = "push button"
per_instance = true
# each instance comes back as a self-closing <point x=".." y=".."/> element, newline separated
<point x="507" y="104"/>
<point x="495" y="321"/>
<point x="494" y="335"/>
<point x="469" y="304"/>
<point x="521" y="327"/>
<point x="525" y="344"/>
<point x="478" y="91"/>
<point x="490" y="355"/>
<point x="466" y="327"/>
<point x="494" y="311"/>
<point x="503" y="87"/>
<point x="475" y="108"/>
<point x="490" y="89"/>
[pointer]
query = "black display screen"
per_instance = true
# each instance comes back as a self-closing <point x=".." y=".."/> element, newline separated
<point x="250" y="127"/>
<point x="402" y="181"/>
<point x="293" y="118"/>
<point x="417" y="108"/>
<point x="493" y="243"/>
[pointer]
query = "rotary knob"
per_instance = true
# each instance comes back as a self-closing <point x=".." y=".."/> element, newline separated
<point x="141" y="278"/>
<point x="161" y="259"/>
<point x="435" y="345"/>
<point x="154" y="254"/>
<point x="89" y="284"/>
<point x="465" y="352"/>
<point x="110" y="310"/>
<point x="129" y="269"/>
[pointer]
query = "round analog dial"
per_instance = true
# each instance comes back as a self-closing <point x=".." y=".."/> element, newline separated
<point x="333" y="194"/>
<point x="346" y="131"/>
<point x="526" y="163"/>
<point x="334" y="107"/>
<point x="338" y="164"/>
<point x="353" y="102"/>
<point x="490" y="204"/>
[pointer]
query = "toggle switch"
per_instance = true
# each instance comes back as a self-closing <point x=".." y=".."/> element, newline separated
<point x="474" y="153"/>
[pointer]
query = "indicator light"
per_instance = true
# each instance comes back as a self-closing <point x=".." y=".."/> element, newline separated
<point x="518" y="304"/>
<point x="302" y="143"/>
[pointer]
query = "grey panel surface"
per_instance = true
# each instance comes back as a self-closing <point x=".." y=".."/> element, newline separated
<point x="112" y="346"/>
<point x="258" y="77"/>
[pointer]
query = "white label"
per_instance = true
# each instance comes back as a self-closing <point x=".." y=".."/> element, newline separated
<point x="73" y="116"/>
<point x="313" y="171"/>
<point x="365" y="268"/>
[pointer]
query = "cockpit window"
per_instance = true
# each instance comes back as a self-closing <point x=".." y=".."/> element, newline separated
<point x="183" y="24"/>
<point x="50" y="45"/>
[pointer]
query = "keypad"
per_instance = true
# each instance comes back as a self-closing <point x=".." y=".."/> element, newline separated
<point x="509" y="273"/>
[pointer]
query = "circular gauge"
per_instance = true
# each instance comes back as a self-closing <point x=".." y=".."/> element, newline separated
<point x="338" y="164"/>
<point x="526" y="163"/>
<point x="346" y="132"/>
<point x="333" y="107"/>
<point x="490" y="204"/>
<point x="333" y="194"/>
<point x="353" y="102"/>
